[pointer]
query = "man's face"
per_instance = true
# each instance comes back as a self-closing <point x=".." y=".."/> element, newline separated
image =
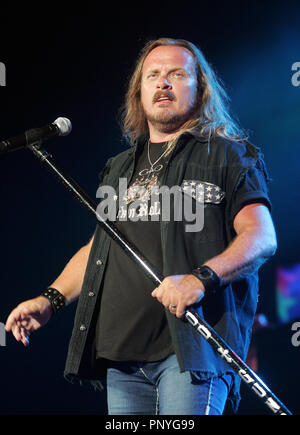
<point x="168" y="87"/>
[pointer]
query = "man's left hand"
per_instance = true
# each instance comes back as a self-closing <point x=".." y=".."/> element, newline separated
<point x="176" y="292"/>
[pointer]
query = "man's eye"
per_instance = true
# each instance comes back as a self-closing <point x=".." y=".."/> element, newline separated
<point x="178" y="74"/>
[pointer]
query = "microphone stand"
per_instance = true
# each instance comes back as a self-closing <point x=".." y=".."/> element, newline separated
<point x="200" y="325"/>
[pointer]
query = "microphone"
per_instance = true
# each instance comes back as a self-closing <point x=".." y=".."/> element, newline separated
<point x="60" y="127"/>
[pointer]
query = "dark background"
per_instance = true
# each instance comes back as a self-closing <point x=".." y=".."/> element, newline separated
<point x="75" y="61"/>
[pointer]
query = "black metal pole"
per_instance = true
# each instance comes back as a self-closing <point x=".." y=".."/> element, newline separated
<point x="202" y="327"/>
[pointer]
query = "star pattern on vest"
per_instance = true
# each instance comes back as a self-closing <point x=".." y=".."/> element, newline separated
<point x="203" y="191"/>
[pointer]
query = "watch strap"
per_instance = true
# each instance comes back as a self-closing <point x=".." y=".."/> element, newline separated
<point x="210" y="280"/>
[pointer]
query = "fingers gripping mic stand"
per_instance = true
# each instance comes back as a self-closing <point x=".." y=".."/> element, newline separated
<point x="209" y="334"/>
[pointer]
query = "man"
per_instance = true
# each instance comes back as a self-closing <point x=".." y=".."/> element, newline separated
<point x="127" y="332"/>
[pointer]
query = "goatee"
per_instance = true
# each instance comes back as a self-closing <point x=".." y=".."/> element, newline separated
<point x="168" y="122"/>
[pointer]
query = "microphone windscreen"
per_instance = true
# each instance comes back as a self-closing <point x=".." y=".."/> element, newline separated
<point x="64" y="125"/>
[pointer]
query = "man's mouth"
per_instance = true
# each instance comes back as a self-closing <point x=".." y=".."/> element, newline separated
<point x="163" y="98"/>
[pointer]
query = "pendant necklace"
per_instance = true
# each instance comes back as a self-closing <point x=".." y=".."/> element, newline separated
<point x="153" y="168"/>
<point x="142" y="188"/>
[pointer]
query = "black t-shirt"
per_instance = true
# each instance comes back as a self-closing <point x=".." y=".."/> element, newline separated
<point x="132" y="325"/>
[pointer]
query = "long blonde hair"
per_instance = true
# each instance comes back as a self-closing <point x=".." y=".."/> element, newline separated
<point x="212" y="114"/>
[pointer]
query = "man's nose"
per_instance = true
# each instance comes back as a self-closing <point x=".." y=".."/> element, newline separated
<point x="163" y="83"/>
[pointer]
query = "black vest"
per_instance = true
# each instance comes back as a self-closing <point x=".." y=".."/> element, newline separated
<point x="237" y="171"/>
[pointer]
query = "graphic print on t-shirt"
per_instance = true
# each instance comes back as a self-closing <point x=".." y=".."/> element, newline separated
<point x="141" y="200"/>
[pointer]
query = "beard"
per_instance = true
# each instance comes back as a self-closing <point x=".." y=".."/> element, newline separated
<point x="167" y="121"/>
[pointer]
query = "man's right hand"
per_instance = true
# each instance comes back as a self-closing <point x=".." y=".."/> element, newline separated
<point x="28" y="317"/>
<point x="34" y="313"/>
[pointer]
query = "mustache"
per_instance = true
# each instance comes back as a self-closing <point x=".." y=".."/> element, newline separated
<point x="160" y="94"/>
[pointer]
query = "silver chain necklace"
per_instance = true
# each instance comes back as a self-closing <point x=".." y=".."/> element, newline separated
<point x="153" y="168"/>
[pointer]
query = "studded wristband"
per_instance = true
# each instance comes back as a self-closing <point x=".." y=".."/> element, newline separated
<point x="210" y="280"/>
<point x="55" y="297"/>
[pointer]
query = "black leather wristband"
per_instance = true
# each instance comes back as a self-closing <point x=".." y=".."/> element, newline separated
<point x="57" y="300"/>
<point x="210" y="280"/>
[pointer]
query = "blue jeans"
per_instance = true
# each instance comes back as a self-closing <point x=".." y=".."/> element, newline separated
<point x="159" y="388"/>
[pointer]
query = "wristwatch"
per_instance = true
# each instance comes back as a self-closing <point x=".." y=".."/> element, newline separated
<point x="210" y="280"/>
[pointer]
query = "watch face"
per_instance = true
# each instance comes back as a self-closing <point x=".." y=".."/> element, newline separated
<point x="205" y="273"/>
